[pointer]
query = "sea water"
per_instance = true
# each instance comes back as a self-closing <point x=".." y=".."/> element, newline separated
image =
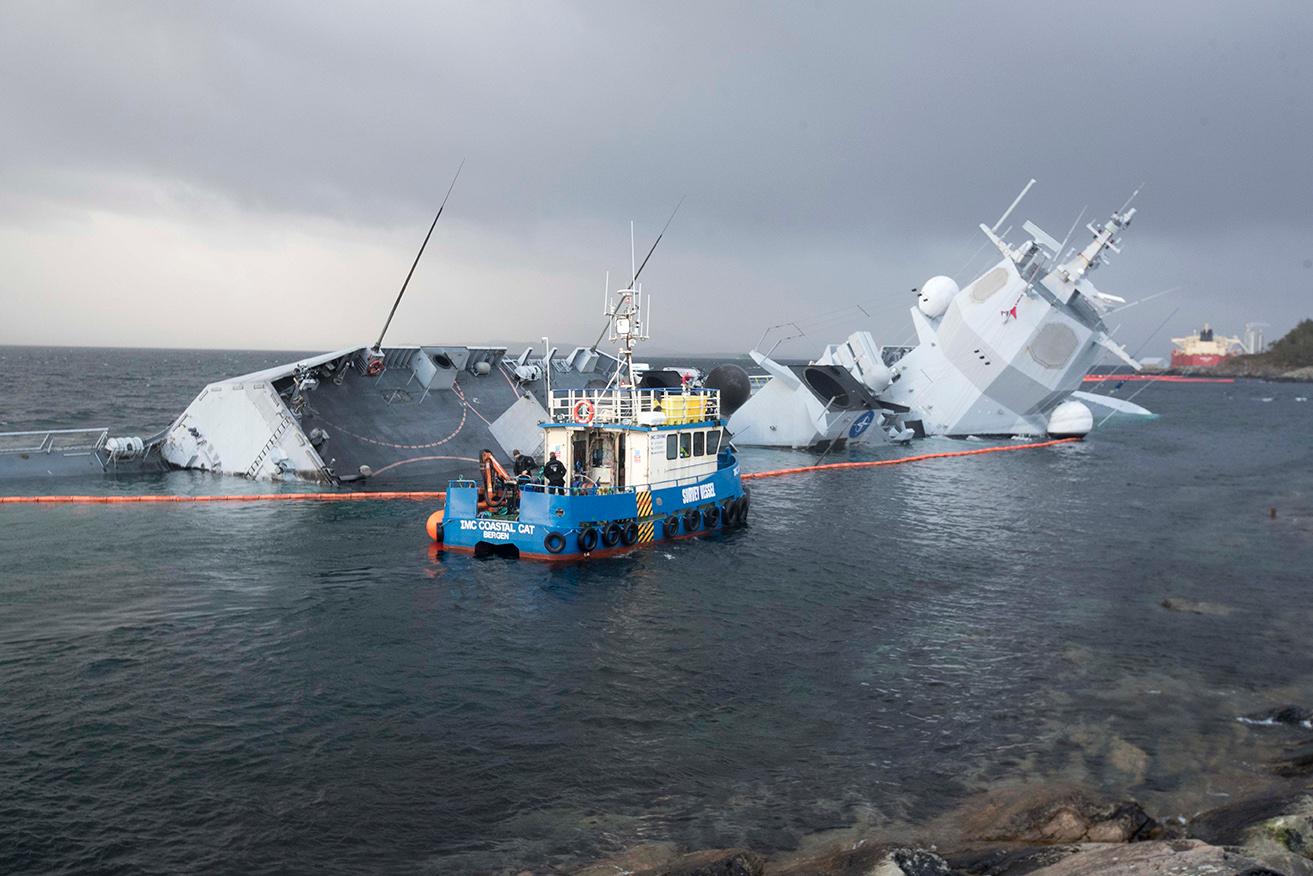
<point x="306" y="686"/>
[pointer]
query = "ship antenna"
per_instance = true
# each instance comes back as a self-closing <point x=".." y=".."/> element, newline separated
<point x="1008" y="211"/>
<point x="1131" y="198"/>
<point x="639" y="270"/>
<point x="654" y="243"/>
<point x="378" y="345"/>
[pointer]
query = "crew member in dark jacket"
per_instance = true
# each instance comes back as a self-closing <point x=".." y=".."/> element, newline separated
<point x="523" y="465"/>
<point x="554" y="472"/>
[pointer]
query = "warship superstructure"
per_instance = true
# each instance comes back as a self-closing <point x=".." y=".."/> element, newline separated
<point x="1003" y="356"/>
<point x="830" y="403"/>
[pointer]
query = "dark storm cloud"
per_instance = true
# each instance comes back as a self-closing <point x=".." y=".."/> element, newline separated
<point x="867" y="140"/>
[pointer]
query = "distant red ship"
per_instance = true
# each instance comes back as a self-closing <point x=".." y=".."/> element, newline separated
<point x="1204" y="349"/>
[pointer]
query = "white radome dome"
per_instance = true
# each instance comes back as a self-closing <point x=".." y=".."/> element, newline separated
<point x="936" y="294"/>
<point x="1071" y="419"/>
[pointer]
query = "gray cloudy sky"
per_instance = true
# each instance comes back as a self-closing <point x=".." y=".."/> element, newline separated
<point x="259" y="174"/>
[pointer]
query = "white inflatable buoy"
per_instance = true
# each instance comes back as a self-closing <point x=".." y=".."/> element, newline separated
<point x="1071" y="419"/>
<point x="936" y="294"/>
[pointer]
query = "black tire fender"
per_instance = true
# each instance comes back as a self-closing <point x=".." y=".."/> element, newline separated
<point x="611" y="535"/>
<point x="554" y="542"/>
<point x="629" y="534"/>
<point x="588" y="539"/>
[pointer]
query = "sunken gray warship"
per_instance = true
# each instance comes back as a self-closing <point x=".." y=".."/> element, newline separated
<point x="381" y="414"/>
<point x="385" y="415"/>
<point x="371" y="413"/>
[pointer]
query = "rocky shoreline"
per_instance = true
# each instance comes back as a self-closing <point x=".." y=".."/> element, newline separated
<point x="1046" y="830"/>
<point x="1248" y="370"/>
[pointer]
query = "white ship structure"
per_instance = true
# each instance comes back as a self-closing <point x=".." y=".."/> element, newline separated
<point x="1004" y="356"/>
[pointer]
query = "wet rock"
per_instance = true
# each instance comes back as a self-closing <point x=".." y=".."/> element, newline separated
<point x="711" y="862"/>
<point x="1057" y="815"/>
<point x="1289" y="835"/>
<point x="1296" y="762"/>
<point x="1292" y="716"/>
<point x="913" y="862"/>
<point x="1129" y="760"/>
<point x="860" y="859"/>
<point x="1230" y="825"/>
<point x="1006" y="860"/>
<point x="1175" y="857"/>
<point x="1190" y="606"/>
<point x="864" y="860"/>
<point x="646" y="856"/>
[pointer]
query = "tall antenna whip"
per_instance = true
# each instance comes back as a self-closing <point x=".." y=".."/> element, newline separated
<point x="378" y="345"/>
<point x="634" y="280"/>
<point x="1011" y="207"/>
<point x="655" y="242"/>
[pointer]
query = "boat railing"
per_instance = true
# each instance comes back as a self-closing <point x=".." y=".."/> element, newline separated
<point x="53" y="441"/>
<point x="607" y="489"/>
<point x="635" y="406"/>
<point x="589" y="490"/>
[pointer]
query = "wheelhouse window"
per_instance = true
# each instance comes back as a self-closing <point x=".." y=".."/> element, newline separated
<point x="672" y="447"/>
<point x="699" y="443"/>
<point x="685" y="445"/>
<point x="713" y="442"/>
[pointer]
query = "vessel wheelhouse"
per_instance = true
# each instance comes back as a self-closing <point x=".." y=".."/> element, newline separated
<point x="624" y="465"/>
<point x="643" y="465"/>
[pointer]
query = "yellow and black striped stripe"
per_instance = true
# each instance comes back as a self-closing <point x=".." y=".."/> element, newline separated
<point x="646" y="523"/>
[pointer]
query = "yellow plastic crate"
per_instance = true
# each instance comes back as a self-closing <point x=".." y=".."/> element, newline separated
<point x="684" y="408"/>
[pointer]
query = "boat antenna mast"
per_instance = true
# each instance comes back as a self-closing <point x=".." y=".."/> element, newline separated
<point x="378" y="345"/>
<point x="609" y="310"/>
<point x="625" y="319"/>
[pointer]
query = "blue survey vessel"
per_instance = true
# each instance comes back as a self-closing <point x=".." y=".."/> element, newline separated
<point x="646" y="464"/>
<point x="625" y="465"/>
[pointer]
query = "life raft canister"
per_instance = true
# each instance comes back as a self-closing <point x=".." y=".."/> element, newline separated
<point x="554" y="542"/>
<point x="584" y="411"/>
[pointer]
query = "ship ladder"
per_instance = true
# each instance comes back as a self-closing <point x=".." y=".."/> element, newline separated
<point x="254" y="468"/>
